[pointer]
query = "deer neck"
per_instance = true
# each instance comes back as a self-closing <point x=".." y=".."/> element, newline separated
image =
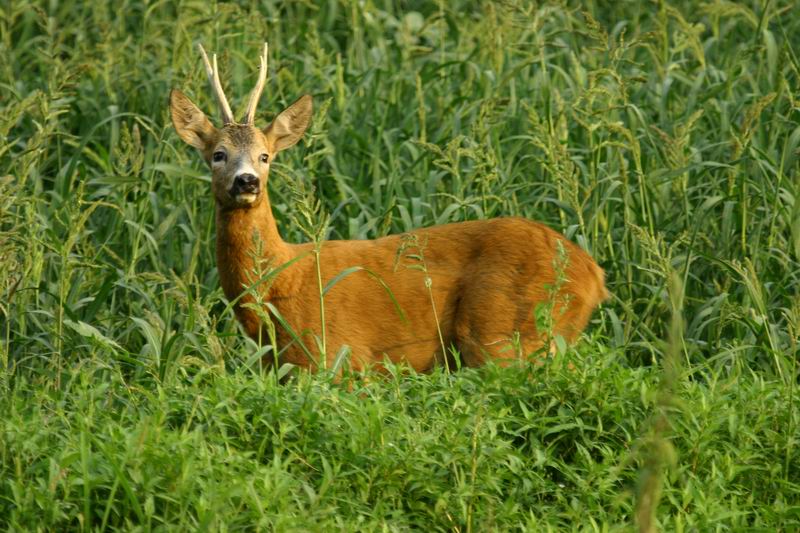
<point x="245" y="237"/>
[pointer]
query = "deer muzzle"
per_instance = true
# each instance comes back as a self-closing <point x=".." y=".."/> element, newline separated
<point x="245" y="187"/>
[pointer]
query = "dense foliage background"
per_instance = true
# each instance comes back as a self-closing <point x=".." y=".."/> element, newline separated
<point x="661" y="136"/>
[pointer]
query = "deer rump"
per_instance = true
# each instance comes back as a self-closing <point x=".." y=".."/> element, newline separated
<point x="493" y="289"/>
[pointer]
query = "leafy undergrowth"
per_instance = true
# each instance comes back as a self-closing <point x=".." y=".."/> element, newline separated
<point x="529" y="448"/>
<point x="662" y="137"/>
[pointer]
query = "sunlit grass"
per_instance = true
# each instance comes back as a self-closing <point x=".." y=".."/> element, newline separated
<point x="662" y="137"/>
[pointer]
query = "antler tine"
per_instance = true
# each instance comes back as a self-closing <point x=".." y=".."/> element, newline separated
<point x="250" y="116"/>
<point x="216" y="86"/>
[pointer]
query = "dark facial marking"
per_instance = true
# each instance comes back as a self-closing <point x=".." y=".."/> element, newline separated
<point x="240" y="135"/>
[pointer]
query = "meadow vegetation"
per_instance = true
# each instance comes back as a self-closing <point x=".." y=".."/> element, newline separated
<point x="663" y="137"/>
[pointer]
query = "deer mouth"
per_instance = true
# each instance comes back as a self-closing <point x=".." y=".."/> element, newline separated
<point x="245" y="197"/>
<point x="245" y="191"/>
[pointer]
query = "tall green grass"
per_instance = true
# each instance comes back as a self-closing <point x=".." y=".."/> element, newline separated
<point x="664" y="137"/>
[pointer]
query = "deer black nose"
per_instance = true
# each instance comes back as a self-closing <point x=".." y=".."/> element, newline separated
<point x="245" y="183"/>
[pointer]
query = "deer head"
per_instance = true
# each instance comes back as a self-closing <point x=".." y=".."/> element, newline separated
<point x="238" y="154"/>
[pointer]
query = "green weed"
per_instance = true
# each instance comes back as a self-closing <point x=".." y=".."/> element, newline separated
<point x="663" y="137"/>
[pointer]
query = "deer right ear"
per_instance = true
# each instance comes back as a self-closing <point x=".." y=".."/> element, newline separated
<point x="190" y="123"/>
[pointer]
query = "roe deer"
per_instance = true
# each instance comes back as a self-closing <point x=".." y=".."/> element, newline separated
<point x="477" y="290"/>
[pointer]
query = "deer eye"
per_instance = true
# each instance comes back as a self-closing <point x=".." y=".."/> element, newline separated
<point x="264" y="158"/>
<point x="218" y="156"/>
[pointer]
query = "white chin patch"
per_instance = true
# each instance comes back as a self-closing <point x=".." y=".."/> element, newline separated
<point x="246" y="198"/>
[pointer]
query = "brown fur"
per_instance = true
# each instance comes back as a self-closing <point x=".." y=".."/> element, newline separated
<point x="486" y="277"/>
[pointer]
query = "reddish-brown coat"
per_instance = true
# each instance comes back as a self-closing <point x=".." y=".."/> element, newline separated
<point x="478" y="283"/>
<point x="486" y="278"/>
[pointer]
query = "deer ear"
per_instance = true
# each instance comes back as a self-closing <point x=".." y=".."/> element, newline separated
<point x="289" y="126"/>
<point x="190" y="123"/>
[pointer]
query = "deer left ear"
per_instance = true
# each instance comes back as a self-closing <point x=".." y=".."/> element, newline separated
<point x="290" y="125"/>
<point x="190" y="123"/>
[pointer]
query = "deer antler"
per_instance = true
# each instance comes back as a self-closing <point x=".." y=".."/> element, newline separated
<point x="213" y="79"/>
<point x="250" y="115"/>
